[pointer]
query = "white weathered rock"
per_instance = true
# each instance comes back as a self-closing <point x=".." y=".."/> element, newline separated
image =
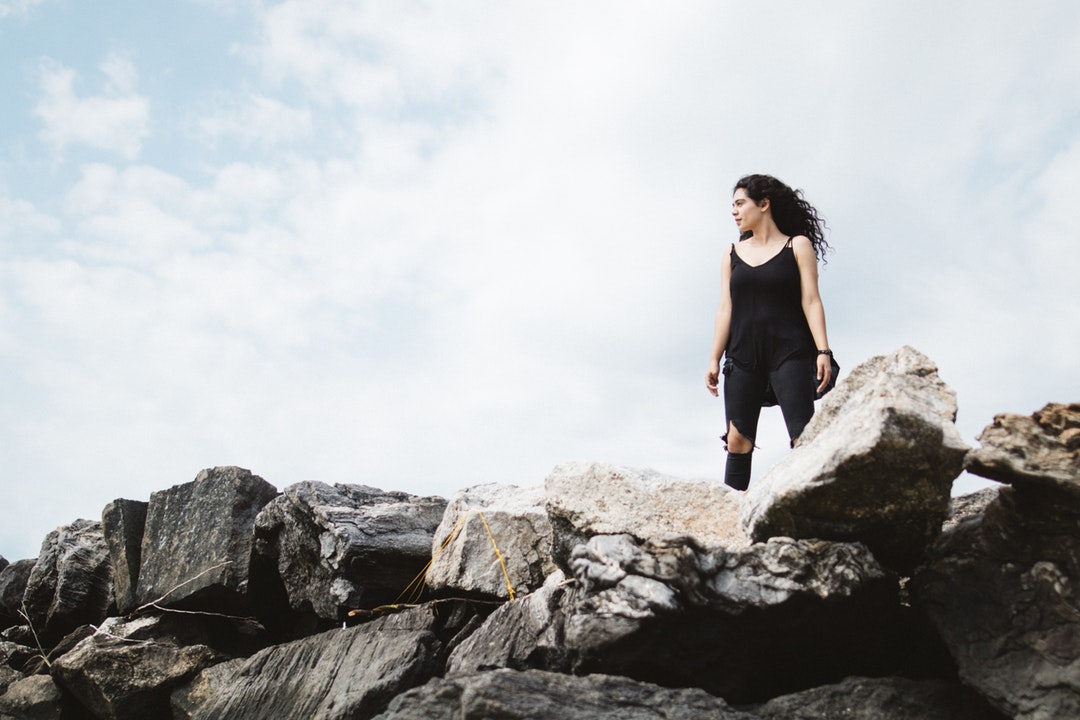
<point x="589" y="498"/>
<point x="875" y="464"/>
<point x="464" y="557"/>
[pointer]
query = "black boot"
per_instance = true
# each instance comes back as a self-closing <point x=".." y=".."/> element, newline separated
<point x="737" y="474"/>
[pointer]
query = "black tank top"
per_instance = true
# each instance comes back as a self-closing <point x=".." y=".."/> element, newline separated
<point x="768" y="326"/>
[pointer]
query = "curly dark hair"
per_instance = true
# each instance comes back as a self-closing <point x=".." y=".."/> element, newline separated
<point x="792" y="213"/>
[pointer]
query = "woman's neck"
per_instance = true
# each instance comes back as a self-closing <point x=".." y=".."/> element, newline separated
<point x="766" y="234"/>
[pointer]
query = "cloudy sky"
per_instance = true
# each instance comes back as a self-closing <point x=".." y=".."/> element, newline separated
<point x="427" y="245"/>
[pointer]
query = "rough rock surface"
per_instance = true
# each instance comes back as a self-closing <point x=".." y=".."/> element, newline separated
<point x="119" y="678"/>
<point x="13" y="579"/>
<point x="336" y="548"/>
<point x="1002" y="591"/>
<point x="528" y="633"/>
<point x="39" y="698"/>
<point x="875" y="464"/>
<point x="1039" y="452"/>
<point x="967" y="507"/>
<point x="71" y="582"/>
<point x="123" y="522"/>
<point x="743" y="624"/>
<point x="894" y="698"/>
<point x="196" y="548"/>
<point x="344" y="673"/>
<point x="589" y="498"/>
<point x="514" y="519"/>
<point x="538" y="695"/>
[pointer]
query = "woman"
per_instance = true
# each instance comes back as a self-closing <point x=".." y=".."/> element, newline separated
<point x="771" y="323"/>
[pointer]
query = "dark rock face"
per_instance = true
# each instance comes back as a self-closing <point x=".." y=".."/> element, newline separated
<point x="331" y="549"/>
<point x="123" y="522"/>
<point x="13" y="579"/>
<point x="1001" y="591"/>
<point x="875" y="464"/>
<point x="873" y="698"/>
<point x="39" y="698"/>
<point x="71" y="582"/>
<point x="538" y="695"/>
<point x="196" y="548"/>
<point x="344" y="673"/>
<point x="120" y="678"/>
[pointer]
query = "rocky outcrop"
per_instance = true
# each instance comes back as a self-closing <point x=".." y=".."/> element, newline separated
<point x="71" y="582"/>
<point x="1001" y="590"/>
<point x="875" y="464"/>
<point x="331" y="549"/>
<point x="196" y="547"/>
<point x="466" y="558"/>
<point x="634" y="595"/>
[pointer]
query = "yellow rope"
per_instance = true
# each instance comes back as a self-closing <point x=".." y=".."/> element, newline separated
<point x="502" y="562"/>
<point x="415" y="588"/>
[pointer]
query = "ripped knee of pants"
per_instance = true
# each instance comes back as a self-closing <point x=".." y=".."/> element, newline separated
<point x="743" y="444"/>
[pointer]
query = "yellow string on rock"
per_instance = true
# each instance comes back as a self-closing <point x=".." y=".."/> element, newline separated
<point x="415" y="588"/>
<point x="502" y="562"/>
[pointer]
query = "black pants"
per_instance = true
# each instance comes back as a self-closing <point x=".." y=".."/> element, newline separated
<point x="794" y="384"/>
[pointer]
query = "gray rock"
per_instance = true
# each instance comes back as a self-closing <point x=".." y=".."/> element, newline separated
<point x="527" y="633"/>
<point x="34" y="698"/>
<point x="186" y="699"/>
<point x="588" y="498"/>
<point x="123" y="522"/>
<point x="464" y="559"/>
<point x="13" y="579"/>
<point x="895" y="698"/>
<point x="71" y="582"/>
<point x="196" y="549"/>
<point x="743" y="624"/>
<point x="875" y="464"/>
<point x="3" y="562"/>
<point x="538" y="695"/>
<point x="121" y="678"/>
<point x="343" y="673"/>
<point x="342" y="547"/>
<point x="1001" y="590"/>
<point x="970" y="506"/>
<point x="1038" y="452"/>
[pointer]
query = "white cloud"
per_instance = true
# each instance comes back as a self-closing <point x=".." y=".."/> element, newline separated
<point x="254" y="120"/>
<point x="117" y="120"/>
<point x="17" y="8"/>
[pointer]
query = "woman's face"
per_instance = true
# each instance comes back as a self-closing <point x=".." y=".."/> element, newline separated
<point x="747" y="213"/>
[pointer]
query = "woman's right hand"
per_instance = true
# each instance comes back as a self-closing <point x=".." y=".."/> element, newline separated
<point x="712" y="379"/>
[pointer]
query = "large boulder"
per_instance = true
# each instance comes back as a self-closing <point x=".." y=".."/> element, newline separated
<point x="332" y="549"/>
<point x="743" y="624"/>
<point x="527" y="633"/>
<point x="119" y="677"/>
<point x="539" y="695"/>
<point x="492" y="538"/>
<point x="589" y="498"/>
<point x="71" y="582"/>
<point x="894" y="698"/>
<point x="1001" y="590"/>
<point x="875" y="464"/>
<point x="344" y="673"/>
<point x="123" y="522"/>
<point x="38" y="697"/>
<point x="196" y="548"/>
<point x="1040" y="452"/>
<point x="13" y="580"/>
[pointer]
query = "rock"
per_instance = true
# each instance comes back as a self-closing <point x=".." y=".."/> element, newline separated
<point x="121" y="678"/>
<point x="875" y="464"/>
<point x="196" y="548"/>
<point x="185" y="700"/>
<point x="13" y="657"/>
<point x="123" y="522"/>
<point x="538" y="695"/>
<point x="39" y="698"/>
<point x="742" y="624"/>
<point x="13" y="579"/>
<point x="3" y="562"/>
<point x="873" y="698"/>
<point x="967" y="507"/>
<point x="586" y="499"/>
<point x="1001" y="591"/>
<point x="336" y="548"/>
<point x="1037" y="452"/>
<point x="71" y="582"/>
<point x="527" y="633"/>
<point x="514" y="519"/>
<point x="343" y="673"/>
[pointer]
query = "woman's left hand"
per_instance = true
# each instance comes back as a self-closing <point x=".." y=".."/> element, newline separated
<point x="824" y="371"/>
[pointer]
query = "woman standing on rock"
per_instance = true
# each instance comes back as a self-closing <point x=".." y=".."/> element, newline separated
<point x="771" y="323"/>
